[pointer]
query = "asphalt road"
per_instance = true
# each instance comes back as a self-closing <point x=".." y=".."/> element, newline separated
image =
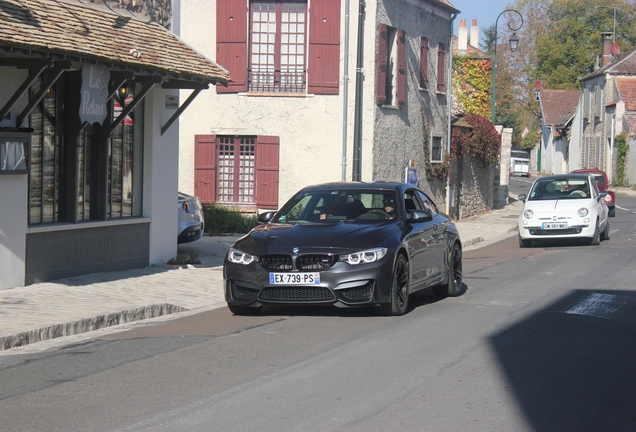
<point x="542" y="339"/>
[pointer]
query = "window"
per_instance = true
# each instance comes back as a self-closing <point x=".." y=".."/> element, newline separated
<point x="424" y="63"/>
<point x="598" y="101"/>
<point x="441" y="68"/>
<point x="391" y="66"/>
<point x="237" y="170"/>
<point x="278" y="57"/>
<point x="586" y="152"/>
<point x="73" y="181"/>
<point x="436" y="149"/>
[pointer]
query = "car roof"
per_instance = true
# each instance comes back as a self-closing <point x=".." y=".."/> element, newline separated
<point x="565" y="176"/>
<point x="379" y="185"/>
<point x="590" y="171"/>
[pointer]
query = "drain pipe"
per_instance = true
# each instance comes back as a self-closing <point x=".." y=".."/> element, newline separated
<point x="345" y="90"/>
<point x="357" y="124"/>
<point x="450" y="108"/>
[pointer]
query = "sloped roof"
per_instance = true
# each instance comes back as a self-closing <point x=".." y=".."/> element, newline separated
<point x="447" y="3"/>
<point x="559" y="105"/>
<point x="623" y="65"/>
<point x="627" y="91"/>
<point x="77" y="31"/>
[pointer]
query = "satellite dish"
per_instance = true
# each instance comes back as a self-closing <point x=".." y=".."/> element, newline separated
<point x="615" y="49"/>
<point x="538" y="85"/>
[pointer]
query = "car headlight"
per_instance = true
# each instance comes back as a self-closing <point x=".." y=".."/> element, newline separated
<point x="528" y="214"/>
<point x="582" y="212"/>
<point x="367" y="256"/>
<point x="238" y="257"/>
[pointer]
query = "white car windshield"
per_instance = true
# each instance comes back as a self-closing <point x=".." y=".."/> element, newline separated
<point x="561" y="188"/>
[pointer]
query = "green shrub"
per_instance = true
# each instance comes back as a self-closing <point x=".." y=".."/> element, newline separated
<point x="223" y="220"/>
<point x="185" y="258"/>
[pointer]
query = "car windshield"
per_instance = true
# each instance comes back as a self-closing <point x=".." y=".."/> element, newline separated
<point x="339" y="205"/>
<point x="562" y="188"/>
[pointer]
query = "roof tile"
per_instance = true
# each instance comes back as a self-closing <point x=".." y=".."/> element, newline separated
<point x="76" y="29"/>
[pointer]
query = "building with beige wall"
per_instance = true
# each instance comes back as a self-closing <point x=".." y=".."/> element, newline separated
<point x="289" y="118"/>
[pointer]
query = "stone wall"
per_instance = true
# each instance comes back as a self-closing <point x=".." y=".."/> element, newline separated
<point x="474" y="188"/>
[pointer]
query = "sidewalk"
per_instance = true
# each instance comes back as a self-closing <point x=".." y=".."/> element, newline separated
<point x="40" y="313"/>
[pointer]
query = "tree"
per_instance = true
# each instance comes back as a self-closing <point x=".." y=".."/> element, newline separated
<point x="569" y="47"/>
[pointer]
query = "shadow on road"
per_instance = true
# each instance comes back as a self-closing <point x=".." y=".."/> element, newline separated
<point x="572" y="366"/>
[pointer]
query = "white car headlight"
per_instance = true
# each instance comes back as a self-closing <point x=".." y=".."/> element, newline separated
<point x="367" y="256"/>
<point x="582" y="212"/>
<point x="528" y="214"/>
<point x="238" y="257"/>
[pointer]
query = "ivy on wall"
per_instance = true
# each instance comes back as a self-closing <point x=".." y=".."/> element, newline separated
<point x="622" y="148"/>
<point x="472" y="82"/>
<point x="482" y="142"/>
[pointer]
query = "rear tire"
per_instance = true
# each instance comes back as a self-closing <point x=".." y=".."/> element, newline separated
<point x="454" y="285"/>
<point x="399" y="290"/>
<point x="524" y="243"/>
<point x="244" y="310"/>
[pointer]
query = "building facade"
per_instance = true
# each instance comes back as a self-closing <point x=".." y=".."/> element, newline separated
<point x="298" y="100"/>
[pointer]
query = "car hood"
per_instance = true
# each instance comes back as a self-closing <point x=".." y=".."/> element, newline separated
<point x="336" y="238"/>
<point x="564" y="205"/>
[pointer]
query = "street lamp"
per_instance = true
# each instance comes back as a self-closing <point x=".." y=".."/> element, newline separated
<point x="514" y="43"/>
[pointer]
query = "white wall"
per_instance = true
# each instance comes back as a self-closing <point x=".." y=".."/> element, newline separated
<point x="13" y="225"/>
<point x="13" y="196"/>
<point x="160" y="176"/>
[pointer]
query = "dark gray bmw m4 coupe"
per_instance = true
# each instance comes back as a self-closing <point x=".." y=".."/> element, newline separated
<point x="347" y="245"/>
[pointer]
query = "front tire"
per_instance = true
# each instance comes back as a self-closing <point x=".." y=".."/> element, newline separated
<point x="399" y="290"/>
<point x="606" y="233"/>
<point x="454" y="285"/>
<point x="524" y="243"/>
<point x="596" y="239"/>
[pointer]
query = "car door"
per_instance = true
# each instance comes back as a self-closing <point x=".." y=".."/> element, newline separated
<point x="599" y="204"/>
<point x="422" y="244"/>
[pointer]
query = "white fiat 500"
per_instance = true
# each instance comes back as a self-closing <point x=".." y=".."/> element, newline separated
<point x="564" y="206"/>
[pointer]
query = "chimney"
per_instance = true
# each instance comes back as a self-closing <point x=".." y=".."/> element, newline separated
<point x="606" y="48"/>
<point x="462" y="37"/>
<point x="474" y="35"/>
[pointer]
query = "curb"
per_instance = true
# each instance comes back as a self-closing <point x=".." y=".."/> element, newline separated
<point x="88" y="324"/>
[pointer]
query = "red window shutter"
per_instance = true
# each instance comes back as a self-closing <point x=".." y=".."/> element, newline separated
<point x="383" y="46"/>
<point x="266" y="181"/>
<point x="324" y="47"/>
<point x="441" y="69"/>
<point x="231" y="43"/>
<point x="424" y="63"/>
<point x="401" y="68"/>
<point x="205" y="167"/>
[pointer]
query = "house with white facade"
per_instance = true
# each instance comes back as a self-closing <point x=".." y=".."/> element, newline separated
<point x="89" y="103"/>
<point x="321" y="91"/>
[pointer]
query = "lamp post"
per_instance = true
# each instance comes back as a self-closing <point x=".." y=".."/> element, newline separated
<point x="514" y="42"/>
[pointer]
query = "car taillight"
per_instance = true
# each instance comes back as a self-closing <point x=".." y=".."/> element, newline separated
<point x="186" y="207"/>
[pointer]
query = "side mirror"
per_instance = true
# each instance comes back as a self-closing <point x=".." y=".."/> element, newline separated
<point x="602" y="194"/>
<point x="523" y="197"/>
<point x="419" y="216"/>
<point x="266" y="217"/>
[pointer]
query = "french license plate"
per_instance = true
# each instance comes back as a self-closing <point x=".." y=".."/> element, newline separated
<point x="294" y="278"/>
<point x="554" y="225"/>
